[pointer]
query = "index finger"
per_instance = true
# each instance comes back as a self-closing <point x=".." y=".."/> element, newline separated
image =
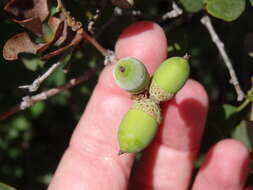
<point x="91" y="160"/>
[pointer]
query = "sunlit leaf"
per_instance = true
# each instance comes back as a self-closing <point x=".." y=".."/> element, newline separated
<point x="251" y="2"/>
<point x="227" y="10"/>
<point x="244" y="133"/>
<point x="193" y="5"/>
<point x="6" y="187"/>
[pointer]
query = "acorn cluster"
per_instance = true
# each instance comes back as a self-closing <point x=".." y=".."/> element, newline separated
<point x="139" y="125"/>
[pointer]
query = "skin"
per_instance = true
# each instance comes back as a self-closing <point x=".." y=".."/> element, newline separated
<point x="91" y="160"/>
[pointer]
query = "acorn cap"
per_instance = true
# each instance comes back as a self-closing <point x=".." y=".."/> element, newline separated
<point x="169" y="78"/>
<point x="150" y="107"/>
<point x="131" y="75"/>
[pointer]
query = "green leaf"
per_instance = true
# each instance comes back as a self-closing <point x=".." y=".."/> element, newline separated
<point x="21" y="123"/>
<point x="229" y="110"/>
<point x="244" y="133"/>
<point x="251" y="2"/>
<point x="47" y="33"/>
<point x="227" y="10"/>
<point x="6" y="187"/>
<point x="37" y="109"/>
<point x="57" y="78"/>
<point x="192" y="5"/>
<point x="32" y="63"/>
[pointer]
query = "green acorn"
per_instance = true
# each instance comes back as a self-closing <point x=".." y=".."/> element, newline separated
<point x="139" y="126"/>
<point x="131" y="75"/>
<point x="169" y="78"/>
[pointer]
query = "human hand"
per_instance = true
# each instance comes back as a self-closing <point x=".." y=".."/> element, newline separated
<point x="91" y="162"/>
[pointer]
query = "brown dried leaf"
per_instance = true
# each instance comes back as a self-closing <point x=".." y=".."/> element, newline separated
<point x="20" y="43"/>
<point x="32" y="24"/>
<point x="25" y="9"/>
<point x="64" y="35"/>
<point x="56" y="25"/>
<point x="28" y="13"/>
<point x="74" y="42"/>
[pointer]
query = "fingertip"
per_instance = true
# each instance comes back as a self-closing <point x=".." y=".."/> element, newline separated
<point x="225" y="166"/>
<point x="145" y="41"/>
<point x="232" y="147"/>
<point x="228" y="154"/>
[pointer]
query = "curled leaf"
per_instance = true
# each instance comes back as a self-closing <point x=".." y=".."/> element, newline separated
<point x="52" y="33"/>
<point x="77" y="38"/>
<point x="64" y="34"/>
<point x="28" y="13"/>
<point x="32" y="24"/>
<point x="25" y="9"/>
<point x="57" y="26"/>
<point x="20" y="43"/>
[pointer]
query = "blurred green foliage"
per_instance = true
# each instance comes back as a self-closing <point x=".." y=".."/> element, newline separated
<point x="33" y="141"/>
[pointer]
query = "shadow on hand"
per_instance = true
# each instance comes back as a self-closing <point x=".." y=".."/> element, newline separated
<point x="186" y="136"/>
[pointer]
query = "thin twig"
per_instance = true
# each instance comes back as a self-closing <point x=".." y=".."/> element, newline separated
<point x="77" y="26"/>
<point x="71" y="21"/>
<point x="175" y="12"/>
<point x="206" y="21"/>
<point x="38" y="81"/>
<point x="28" y="101"/>
<point x="243" y="105"/>
<point x="93" y="41"/>
<point x="110" y="56"/>
<point x="92" y="20"/>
